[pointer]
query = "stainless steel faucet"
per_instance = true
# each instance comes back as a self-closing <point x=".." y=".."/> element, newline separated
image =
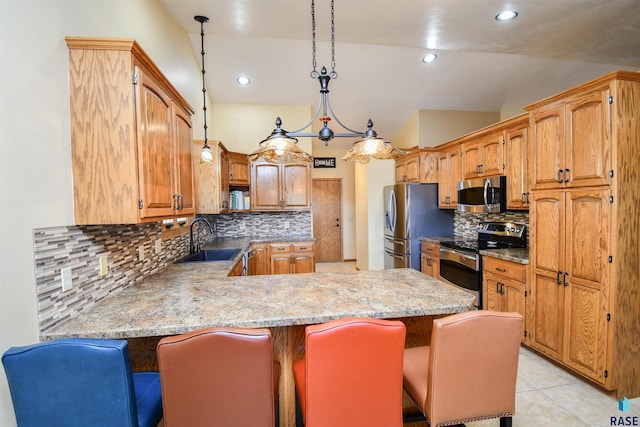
<point x="192" y="248"/>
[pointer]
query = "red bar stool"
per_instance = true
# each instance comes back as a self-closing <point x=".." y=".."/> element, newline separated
<point x="219" y="376"/>
<point x="352" y="374"/>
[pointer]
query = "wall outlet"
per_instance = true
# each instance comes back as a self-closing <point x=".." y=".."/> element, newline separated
<point x="242" y="224"/>
<point x="65" y="276"/>
<point x="104" y="266"/>
<point x="140" y="253"/>
<point x="158" y="246"/>
<point x="286" y="225"/>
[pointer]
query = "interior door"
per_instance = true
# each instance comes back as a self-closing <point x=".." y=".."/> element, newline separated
<point x="327" y="219"/>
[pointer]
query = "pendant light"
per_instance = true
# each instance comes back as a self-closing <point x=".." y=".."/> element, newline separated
<point x="370" y="146"/>
<point x="205" y="154"/>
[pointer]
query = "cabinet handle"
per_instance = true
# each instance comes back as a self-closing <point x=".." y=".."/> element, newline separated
<point x="497" y="287"/>
<point x="523" y="202"/>
<point x="567" y="172"/>
<point x="560" y="172"/>
<point x="528" y="200"/>
<point x="559" y="278"/>
<point x="481" y="168"/>
<point x="501" y="288"/>
<point x="500" y="269"/>
<point x="176" y="203"/>
<point x="230" y="177"/>
<point x="565" y="279"/>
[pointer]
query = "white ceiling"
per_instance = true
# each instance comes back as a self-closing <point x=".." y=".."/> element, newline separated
<point x="483" y="64"/>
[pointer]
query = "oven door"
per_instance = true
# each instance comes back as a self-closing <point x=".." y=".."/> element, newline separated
<point x="463" y="270"/>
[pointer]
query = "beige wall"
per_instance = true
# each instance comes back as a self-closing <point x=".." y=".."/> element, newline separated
<point x="35" y="156"/>
<point x="241" y="127"/>
<point x="430" y="128"/>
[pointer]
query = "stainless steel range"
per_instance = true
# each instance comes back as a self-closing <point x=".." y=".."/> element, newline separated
<point x="460" y="259"/>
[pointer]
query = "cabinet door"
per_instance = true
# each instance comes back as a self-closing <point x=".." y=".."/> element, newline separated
<point x="471" y="160"/>
<point x="492" y="155"/>
<point x="238" y="169"/>
<point x="401" y="171"/>
<point x="413" y="168"/>
<point x="547" y="262"/>
<point x="429" y="167"/>
<point x="303" y="263"/>
<point x="588" y="150"/>
<point x="547" y="147"/>
<point x="491" y="292"/>
<point x="207" y="179"/>
<point x="587" y="281"/>
<point x="513" y="299"/>
<point x="184" y="182"/>
<point x="449" y="174"/>
<point x="516" y="152"/>
<point x="281" y="263"/>
<point x="259" y="263"/>
<point x="265" y="186"/>
<point x="155" y="148"/>
<point x="296" y="193"/>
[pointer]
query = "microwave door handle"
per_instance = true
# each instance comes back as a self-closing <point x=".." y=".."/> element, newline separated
<point x="486" y="192"/>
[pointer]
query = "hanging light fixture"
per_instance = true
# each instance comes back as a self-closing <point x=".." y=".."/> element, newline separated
<point x="370" y="146"/>
<point x="205" y="154"/>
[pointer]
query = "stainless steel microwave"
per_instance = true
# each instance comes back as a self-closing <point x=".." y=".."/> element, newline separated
<point x="483" y="194"/>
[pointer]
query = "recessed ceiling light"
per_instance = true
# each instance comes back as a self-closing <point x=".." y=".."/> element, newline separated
<point x="506" y="15"/>
<point x="429" y="57"/>
<point x="243" y="80"/>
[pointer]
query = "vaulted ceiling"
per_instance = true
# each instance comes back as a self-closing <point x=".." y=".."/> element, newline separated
<point x="482" y="65"/>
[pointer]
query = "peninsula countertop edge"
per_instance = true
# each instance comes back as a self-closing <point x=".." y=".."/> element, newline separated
<point x="187" y="297"/>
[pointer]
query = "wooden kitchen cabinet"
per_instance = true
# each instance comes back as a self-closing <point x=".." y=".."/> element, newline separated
<point x="449" y="173"/>
<point x="570" y="144"/>
<point x="430" y="259"/>
<point x="258" y="260"/>
<point x="291" y="258"/>
<point x="570" y="279"/>
<point x="504" y="287"/>
<point x="211" y="188"/>
<point x="408" y="167"/>
<point x="516" y="163"/>
<point x="277" y="187"/>
<point x="584" y="230"/>
<point x="130" y="136"/>
<point x="239" y="170"/>
<point x="483" y="156"/>
<point x="237" y="269"/>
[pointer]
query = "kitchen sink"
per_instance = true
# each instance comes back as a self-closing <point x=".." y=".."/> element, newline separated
<point x="211" y="255"/>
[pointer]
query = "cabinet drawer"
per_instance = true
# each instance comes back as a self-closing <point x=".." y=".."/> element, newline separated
<point x="280" y="248"/>
<point x="302" y="247"/>
<point x="430" y="248"/>
<point x="507" y="269"/>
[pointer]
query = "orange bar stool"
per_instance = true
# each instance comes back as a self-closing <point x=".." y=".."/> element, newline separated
<point x="352" y="373"/>
<point x="219" y="377"/>
<point x="469" y="371"/>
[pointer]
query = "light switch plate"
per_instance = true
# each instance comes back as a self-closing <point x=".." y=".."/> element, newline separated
<point x="140" y="253"/>
<point x="65" y="276"/>
<point x="158" y="246"/>
<point x="104" y="266"/>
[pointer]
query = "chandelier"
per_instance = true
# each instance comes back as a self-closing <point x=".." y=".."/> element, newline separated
<point x="280" y="147"/>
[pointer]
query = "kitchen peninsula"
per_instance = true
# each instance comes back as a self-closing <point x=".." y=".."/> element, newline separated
<point x="185" y="297"/>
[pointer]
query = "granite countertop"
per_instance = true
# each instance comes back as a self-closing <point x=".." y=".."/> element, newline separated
<point x="437" y="239"/>
<point x="243" y="243"/>
<point x="186" y="297"/>
<point x="519" y="255"/>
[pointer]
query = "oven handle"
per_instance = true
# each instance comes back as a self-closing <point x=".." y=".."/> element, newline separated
<point x="393" y="254"/>
<point x="471" y="261"/>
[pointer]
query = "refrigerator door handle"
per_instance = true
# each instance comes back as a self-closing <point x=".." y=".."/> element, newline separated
<point x="392" y="210"/>
<point x="394" y="255"/>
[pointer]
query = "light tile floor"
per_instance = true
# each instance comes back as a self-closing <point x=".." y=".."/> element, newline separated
<point x="547" y="395"/>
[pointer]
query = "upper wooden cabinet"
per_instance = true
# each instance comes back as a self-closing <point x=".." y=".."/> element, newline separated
<point x="516" y="153"/>
<point x="449" y="173"/>
<point x="483" y="156"/>
<point x="280" y="187"/>
<point x="209" y="188"/>
<point x="130" y="136"/>
<point x="419" y="165"/>
<point x="570" y="144"/>
<point x="239" y="170"/>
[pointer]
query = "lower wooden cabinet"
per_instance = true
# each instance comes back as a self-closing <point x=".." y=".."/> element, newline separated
<point x="257" y="260"/>
<point x="430" y="259"/>
<point x="504" y="287"/>
<point x="290" y="258"/>
<point x="237" y="269"/>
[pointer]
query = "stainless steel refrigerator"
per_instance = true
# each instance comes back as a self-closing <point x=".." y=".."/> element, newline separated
<point x="410" y="212"/>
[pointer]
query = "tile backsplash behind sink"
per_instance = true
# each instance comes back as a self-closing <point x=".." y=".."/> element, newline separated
<point x="80" y="247"/>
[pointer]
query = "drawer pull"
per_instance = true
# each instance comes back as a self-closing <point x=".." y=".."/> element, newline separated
<point x="500" y="269"/>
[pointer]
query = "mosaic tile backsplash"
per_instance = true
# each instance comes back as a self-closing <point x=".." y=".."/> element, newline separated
<point x="80" y="248"/>
<point x="465" y="223"/>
